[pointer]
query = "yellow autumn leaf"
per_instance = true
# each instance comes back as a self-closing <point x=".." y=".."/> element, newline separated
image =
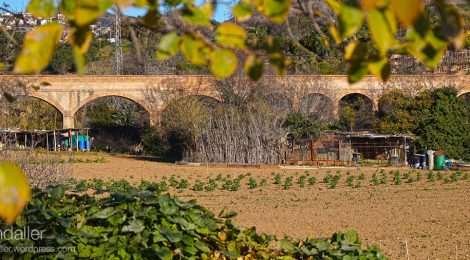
<point x="14" y="191"/>
<point x="407" y="11"/>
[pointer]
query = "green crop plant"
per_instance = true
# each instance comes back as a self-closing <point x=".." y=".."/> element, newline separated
<point x="327" y="178"/>
<point x="439" y="176"/>
<point x="163" y="185"/>
<point x="252" y="184"/>
<point x="219" y="177"/>
<point x="227" y="185"/>
<point x="334" y="181"/>
<point x="406" y="175"/>
<point x="277" y="179"/>
<point x="431" y="176"/>
<point x="235" y="185"/>
<point x="419" y="176"/>
<point x="183" y="184"/>
<point x="454" y="177"/>
<point x="361" y="177"/>
<point x="350" y="180"/>
<point x="211" y="186"/>
<point x="358" y="185"/>
<point x="301" y="181"/>
<point x="465" y="176"/>
<point x="287" y="184"/>
<point x="396" y="178"/>
<point x="198" y="186"/>
<point x="312" y="181"/>
<point x="174" y="182"/>
<point x="240" y="177"/>
<point x="263" y="182"/>
<point x="383" y="178"/>
<point x="375" y="180"/>
<point x="410" y="179"/>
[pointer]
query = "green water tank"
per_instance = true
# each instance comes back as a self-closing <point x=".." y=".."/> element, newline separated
<point x="439" y="162"/>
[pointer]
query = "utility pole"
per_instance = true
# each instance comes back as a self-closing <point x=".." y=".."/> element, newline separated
<point x="117" y="42"/>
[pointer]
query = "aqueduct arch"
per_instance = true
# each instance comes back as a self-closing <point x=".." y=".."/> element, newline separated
<point x="69" y="92"/>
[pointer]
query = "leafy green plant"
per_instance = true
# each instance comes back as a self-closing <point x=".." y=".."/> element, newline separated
<point x="439" y="176"/>
<point x="252" y="184"/>
<point x="174" y="182"/>
<point x="361" y="177"/>
<point x="287" y="184"/>
<point x="301" y="181"/>
<point x="312" y="181"/>
<point x="375" y="180"/>
<point x="176" y="230"/>
<point x="277" y="179"/>
<point x="396" y="178"/>
<point x="419" y="176"/>
<point x="235" y="185"/>
<point x="211" y="186"/>
<point x="431" y="176"/>
<point x="263" y="182"/>
<point x="198" y="186"/>
<point x="383" y="178"/>
<point x="327" y="178"/>
<point x="350" y="180"/>
<point x="183" y="184"/>
<point x="227" y="185"/>
<point x="334" y="181"/>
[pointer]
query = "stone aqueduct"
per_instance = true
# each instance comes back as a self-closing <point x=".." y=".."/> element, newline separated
<point x="70" y="93"/>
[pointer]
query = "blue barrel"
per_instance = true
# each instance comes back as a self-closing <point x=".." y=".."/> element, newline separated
<point x="87" y="145"/>
<point x="81" y="145"/>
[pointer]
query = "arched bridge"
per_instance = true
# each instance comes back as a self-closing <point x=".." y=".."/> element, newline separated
<point x="70" y="93"/>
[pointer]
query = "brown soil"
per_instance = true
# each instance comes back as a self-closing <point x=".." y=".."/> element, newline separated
<point x="429" y="220"/>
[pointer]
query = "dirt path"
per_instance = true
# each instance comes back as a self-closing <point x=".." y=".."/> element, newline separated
<point x="433" y="219"/>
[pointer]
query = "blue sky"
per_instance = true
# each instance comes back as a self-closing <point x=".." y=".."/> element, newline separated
<point x="222" y="12"/>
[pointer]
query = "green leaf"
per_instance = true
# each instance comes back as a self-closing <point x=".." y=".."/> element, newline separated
<point x="58" y="192"/>
<point x="223" y="63"/>
<point x="287" y="246"/>
<point x="355" y="51"/>
<point x="38" y="48"/>
<point x="198" y="15"/>
<point x="135" y="226"/>
<point x="276" y="10"/>
<point x="380" y="68"/>
<point x="168" y="46"/>
<point x="254" y="67"/>
<point x="357" y="71"/>
<point x="195" y="50"/>
<point x="279" y="63"/>
<point x="230" y="214"/>
<point x="104" y="214"/>
<point x="174" y="236"/>
<point x="350" y="20"/>
<point x="242" y="12"/>
<point x="351" y="236"/>
<point x="41" y="8"/>
<point x="382" y="26"/>
<point x="231" y="35"/>
<point x="164" y="253"/>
